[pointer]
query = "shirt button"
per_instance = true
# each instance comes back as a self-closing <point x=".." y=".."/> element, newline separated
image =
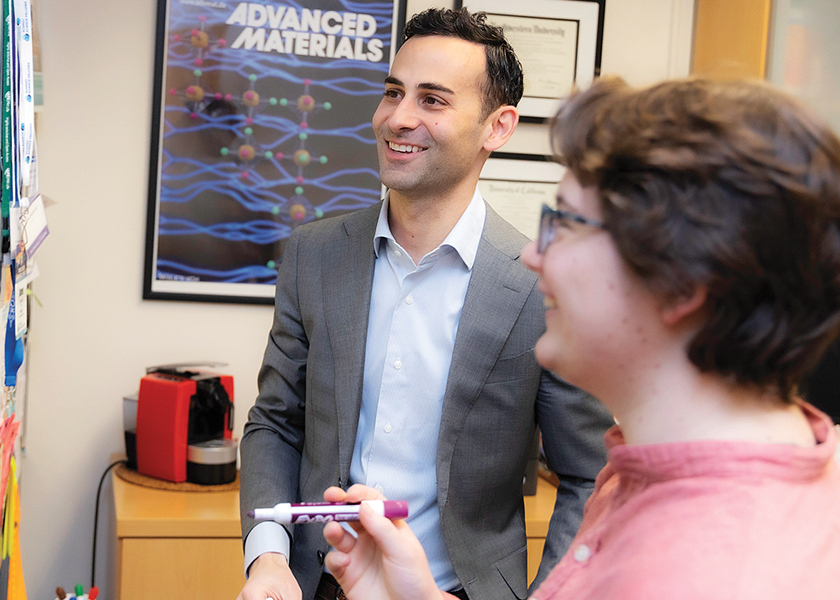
<point x="387" y="428"/>
<point x="398" y="364"/>
<point x="582" y="553"/>
<point x="409" y="299"/>
<point x="378" y="487"/>
<point x="397" y="253"/>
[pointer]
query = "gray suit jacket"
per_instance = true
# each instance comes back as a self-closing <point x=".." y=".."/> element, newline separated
<point x="300" y="433"/>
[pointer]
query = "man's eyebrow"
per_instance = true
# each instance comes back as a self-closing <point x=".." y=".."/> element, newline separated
<point x="435" y="87"/>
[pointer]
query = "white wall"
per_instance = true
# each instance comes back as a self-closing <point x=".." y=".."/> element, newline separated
<point x="91" y="335"/>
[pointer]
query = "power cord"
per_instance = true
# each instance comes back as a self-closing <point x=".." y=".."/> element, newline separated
<point x="96" y="521"/>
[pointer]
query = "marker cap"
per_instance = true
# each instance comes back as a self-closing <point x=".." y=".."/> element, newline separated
<point x="394" y="509"/>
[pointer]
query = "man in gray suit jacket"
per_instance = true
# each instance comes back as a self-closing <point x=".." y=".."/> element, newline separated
<point x="401" y="354"/>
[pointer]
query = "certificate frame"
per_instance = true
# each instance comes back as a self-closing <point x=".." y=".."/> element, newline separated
<point x="517" y="185"/>
<point x="255" y="132"/>
<point x="558" y="42"/>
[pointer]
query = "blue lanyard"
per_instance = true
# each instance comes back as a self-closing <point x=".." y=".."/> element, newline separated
<point x="14" y="344"/>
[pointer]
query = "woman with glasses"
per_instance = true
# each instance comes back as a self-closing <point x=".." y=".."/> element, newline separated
<point x="691" y="273"/>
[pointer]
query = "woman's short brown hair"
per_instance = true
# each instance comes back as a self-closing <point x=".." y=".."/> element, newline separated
<point x="730" y="185"/>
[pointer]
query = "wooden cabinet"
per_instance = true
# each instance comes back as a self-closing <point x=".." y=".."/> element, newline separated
<point x="173" y="544"/>
<point x="538" y="510"/>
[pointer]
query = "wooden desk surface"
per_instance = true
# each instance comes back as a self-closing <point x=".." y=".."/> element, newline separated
<point x="148" y="512"/>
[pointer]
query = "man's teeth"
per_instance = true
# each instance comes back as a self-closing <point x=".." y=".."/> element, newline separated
<point x="403" y="147"/>
<point x="549" y="303"/>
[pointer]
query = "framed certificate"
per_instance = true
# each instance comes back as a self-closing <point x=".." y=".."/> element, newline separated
<point x="517" y="185"/>
<point x="557" y="41"/>
<point x="261" y="123"/>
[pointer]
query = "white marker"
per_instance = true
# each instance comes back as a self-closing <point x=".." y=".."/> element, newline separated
<point x="322" y="512"/>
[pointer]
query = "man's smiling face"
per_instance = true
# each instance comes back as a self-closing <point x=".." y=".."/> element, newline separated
<point x="429" y="126"/>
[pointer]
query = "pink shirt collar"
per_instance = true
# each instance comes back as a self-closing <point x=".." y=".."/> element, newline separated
<point x="661" y="462"/>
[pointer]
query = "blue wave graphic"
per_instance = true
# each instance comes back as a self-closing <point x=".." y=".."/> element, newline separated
<point x="254" y="144"/>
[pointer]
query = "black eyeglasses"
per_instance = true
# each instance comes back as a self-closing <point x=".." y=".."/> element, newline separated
<point x="551" y="219"/>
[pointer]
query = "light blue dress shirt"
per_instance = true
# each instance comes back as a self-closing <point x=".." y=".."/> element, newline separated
<point x="413" y="321"/>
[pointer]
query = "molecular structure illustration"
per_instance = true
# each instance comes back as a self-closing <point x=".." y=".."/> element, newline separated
<point x="247" y="153"/>
<point x="249" y="149"/>
<point x="245" y="138"/>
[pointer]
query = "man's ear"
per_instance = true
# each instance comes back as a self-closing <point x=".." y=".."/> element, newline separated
<point x="685" y="305"/>
<point x="501" y="124"/>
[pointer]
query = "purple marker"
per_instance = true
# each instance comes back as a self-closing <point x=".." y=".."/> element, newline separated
<point x="322" y="512"/>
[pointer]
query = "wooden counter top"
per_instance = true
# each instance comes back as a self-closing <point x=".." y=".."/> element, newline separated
<point x="148" y="512"/>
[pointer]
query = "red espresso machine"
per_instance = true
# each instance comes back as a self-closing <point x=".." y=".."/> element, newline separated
<point x="180" y="408"/>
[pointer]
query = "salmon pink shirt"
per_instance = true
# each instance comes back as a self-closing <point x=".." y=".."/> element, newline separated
<point x="714" y="520"/>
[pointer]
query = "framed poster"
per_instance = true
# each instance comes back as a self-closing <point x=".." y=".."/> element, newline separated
<point x="517" y="185"/>
<point x="557" y="41"/>
<point x="261" y="123"/>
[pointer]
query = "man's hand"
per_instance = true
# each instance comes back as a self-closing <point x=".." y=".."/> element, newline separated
<point x="385" y="562"/>
<point x="270" y="578"/>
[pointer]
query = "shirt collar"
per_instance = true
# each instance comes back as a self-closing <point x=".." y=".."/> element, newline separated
<point x="464" y="237"/>
<point x="659" y="462"/>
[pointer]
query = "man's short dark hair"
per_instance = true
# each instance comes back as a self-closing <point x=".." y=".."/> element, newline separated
<point x="503" y="82"/>
<point x="730" y="185"/>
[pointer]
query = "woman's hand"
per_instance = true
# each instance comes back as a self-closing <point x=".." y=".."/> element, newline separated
<point x="385" y="561"/>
